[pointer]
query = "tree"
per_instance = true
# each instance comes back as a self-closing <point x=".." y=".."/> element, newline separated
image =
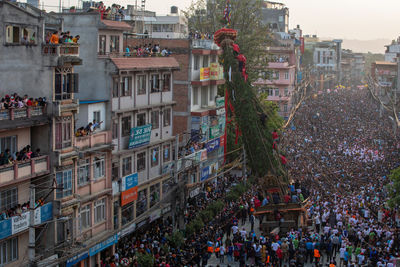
<point x="145" y="260"/>
<point x="175" y="239"/>
<point x="207" y="17"/>
<point x="394" y="189"/>
<point x="308" y="58"/>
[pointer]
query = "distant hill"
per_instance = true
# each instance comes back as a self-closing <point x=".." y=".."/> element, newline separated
<point x="364" y="46"/>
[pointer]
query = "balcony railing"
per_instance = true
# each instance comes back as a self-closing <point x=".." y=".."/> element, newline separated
<point x="24" y="169"/>
<point x="93" y="140"/>
<point x="69" y="49"/>
<point x="204" y="44"/>
<point x="18" y="113"/>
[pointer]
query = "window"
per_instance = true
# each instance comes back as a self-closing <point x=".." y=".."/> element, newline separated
<point x="8" y="199"/>
<point x="166" y="82"/>
<point x="286" y="92"/>
<point x="205" y="61"/>
<point x="141" y="161"/>
<point x="154" y="194"/>
<point x="64" y="180"/>
<point x="276" y="76"/>
<point x="154" y="83"/>
<point x="286" y="75"/>
<point x="13" y="35"/>
<point x="114" y="130"/>
<point x="65" y="83"/>
<point x="85" y="221"/>
<point x="211" y="96"/>
<point x="99" y="210"/>
<point x="166" y="153"/>
<point x="126" y="86"/>
<point x="19" y="35"/>
<point x="167" y="185"/>
<point x="285" y="108"/>
<point x="213" y="58"/>
<point x="196" y="63"/>
<point x="98" y="167"/>
<point x="83" y="172"/>
<point x="8" y="251"/>
<point x="115" y="171"/>
<point x="63" y="132"/>
<point x="204" y="98"/>
<point x="127" y="213"/>
<point x="141" y="119"/>
<point x="154" y="157"/>
<point x="102" y="44"/>
<point x="115" y="87"/>
<point x="141" y="84"/>
<point x="319" y="57"/>
<point x="276" y="92"/>
<point x="96" y="116"/>
<point x="195" y="96"/>
<point x="126" y="126"/>
<point x="126" y="166"/>
<point x="270" y="92"/>
<point x="155" y="119"/>
<point x="141" y="204"/>
<point x="8" y="142"/>
<point x="114" y="43"/>
<point x="167" y="117"/>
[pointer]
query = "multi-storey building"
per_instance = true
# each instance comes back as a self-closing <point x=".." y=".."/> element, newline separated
<point x="48" y="71"/>
<point x="276" y="16"/>
<point x="392" y="50"/>
<point x="385" y="74"/>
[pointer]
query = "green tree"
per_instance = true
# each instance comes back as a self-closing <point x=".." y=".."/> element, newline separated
<point x="394" y="189"/>
<point x="308" y="58"/>
<point x="175" y="239"/>
<point x="145" y="260"/>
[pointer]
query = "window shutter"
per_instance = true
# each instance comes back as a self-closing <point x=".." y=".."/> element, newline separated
<point x="75" y="82"/>
<point x="57" y="83"/>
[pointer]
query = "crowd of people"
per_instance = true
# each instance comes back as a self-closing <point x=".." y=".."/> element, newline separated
<point x="58" y="37"/>
<point x="6" y="157"/>
<point x="19" y="209"/>
<point x="351" y="224"/>
<point x="16" y="101"/>
<point x="88" y="129"/>
<point x="114" y="12"/>
<point x="147" y="50"/>
<point x="201" y="35"/>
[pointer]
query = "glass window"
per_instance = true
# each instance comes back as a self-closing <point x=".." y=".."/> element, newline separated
<point x="63" y="132"/>
<point x="211" y="93"/>
<point x="155" y="119"/>
<point x="85" y="221"/>
<point x="141" y="204"/>
<point x="166" y="153"/>
<point x="83" y="172"/>
<point x="102" y="44"/>
<point x="154" y="157"/>
<point x="115" y="171"/>
<point x="286" y="75"/>
<point x="126" y="166"/>
<point x="166" y="82"/>
<point x="286" y="92"/>
<point x="154" y="194"/>
<point x="167" y="117"/>
<point x="64" y="180"/>
<point x="8" y="142"/>
<point x="114" y="43"/>
<point x="154" y="83"/>
<point x="115" y="87"/>
<point x="127" y="213"/>
<point x="141" y="161"/>
<point x="99" y="210"/>
<point x="114" y="130"/>
<point x="195" y="96"/>
<point x="126" y="126"/>
<point x="167" y="186"/>
<point x="196" y="63"/>
<point x="116" y="207"/>
<point x="8" y="199"/>
<point x="285" y="108"/>
<point x="205" y="61"/>
<point x="126" y="85"/>
<point x="8" y="251"/>
<point x="140" y="119"/>
<point x="65" y="83"/>
<point x="141" y="84"/>
<point x="97" y="117"/>
<point x="270" y="92"/>
<point x="98" y="167"/>
<point x="276" y="92"/>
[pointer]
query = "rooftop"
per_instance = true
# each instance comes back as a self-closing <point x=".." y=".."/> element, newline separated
<point x="116" y="25"/>
<point x="146" y="63"/>
<point x="385" y="63"/>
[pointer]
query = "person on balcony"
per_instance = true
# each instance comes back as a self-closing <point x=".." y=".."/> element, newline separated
<point x="76" y="39"/>
<point x="54" y="38"/>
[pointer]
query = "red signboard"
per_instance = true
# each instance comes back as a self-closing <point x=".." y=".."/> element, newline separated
<point x="129" y="195"/>
<point x="302" y="45"/>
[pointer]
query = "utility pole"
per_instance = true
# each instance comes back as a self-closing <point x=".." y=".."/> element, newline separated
<point x="173" y="201"/>
<point x="244" y="169"/>
<point x="31" y="246"/>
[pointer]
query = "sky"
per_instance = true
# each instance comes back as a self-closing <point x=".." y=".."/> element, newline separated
<point x="346" y="19"/>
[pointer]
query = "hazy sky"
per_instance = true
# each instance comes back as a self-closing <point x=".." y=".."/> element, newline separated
<point x="350" y="19"/>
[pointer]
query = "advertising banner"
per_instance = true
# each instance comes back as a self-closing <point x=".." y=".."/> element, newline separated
<point x="214" y="71"/>
<point x="140" y="136"/>
<point x="129" y="196"/>
<point x="129" y="181"/>
<point x="205" y="172"/>
<point x="220" y="102"/>
<point x="103" y="245"/>
<point x="204" y="74"/>
<point x="212" y="145"/>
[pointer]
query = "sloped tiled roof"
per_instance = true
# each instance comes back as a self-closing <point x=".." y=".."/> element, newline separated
<point x="143" y="63"/>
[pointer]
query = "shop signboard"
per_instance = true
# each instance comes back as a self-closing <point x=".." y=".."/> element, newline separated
<point x="212" y="145"/>
<point x="220" y="102"/>
<point x="204" y="74"/>
<point x="129" y="181"/>
<point x="127" y="230"/>
<point x="77" y="258"/>
<point x="140" y="136"/>
<point x="205" y="172"/>
<point x="214" y="71"/>
<point x="103" y="245"/>
<point x="155" y="215"/>
<point x="214" y="132"/>
<point x="194" y="192"/>
<point x="129" y="196"/>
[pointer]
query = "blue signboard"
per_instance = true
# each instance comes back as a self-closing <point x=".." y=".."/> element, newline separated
<point x="129" y="181"/>
<point x="46" y="212"/>
<point x="140" y="136"/>
<point x="103" y="245"/>
<point x="77" y="258"/>
<point x="212" y="145"/>
<point x="205" y="172"/>
<point x="5" y="228"/>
